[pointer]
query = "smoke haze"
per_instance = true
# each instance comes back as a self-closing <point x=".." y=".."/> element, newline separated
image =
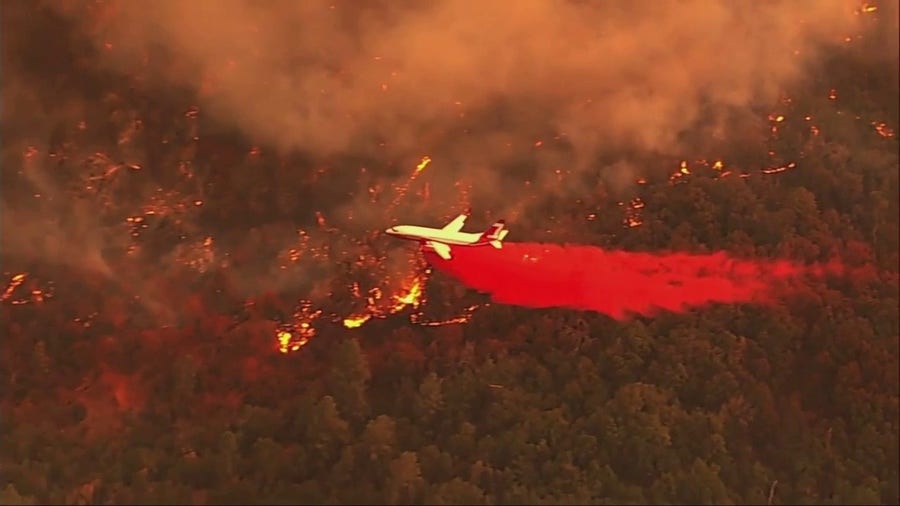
<point x="476" y="86"/>
<point x="328" y="77"/>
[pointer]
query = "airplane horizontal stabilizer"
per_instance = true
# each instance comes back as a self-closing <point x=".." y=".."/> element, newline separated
<point x="494" y="233"/>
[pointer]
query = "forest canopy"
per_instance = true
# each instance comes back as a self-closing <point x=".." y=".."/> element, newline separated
<point x="191" y="314"/>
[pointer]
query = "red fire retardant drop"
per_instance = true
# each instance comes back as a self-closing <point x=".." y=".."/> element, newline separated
<point x="618" y="283"/>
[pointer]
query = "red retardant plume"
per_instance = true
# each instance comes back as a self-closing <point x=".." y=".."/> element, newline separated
<point x="618" y="283"/>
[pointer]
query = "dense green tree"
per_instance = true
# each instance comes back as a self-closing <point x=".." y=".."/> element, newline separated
<point x="11" y="496"/>
<point x="456" y="491"/>
<point x="326" y="433"/>
<point x="348" y="380"/>
<point x="405" y="484"/>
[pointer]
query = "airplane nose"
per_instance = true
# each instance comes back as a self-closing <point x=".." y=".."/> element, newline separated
<point x="390" y="231"/>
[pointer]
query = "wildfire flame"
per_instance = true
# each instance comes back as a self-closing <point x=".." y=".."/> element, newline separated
<point x="14" y="283"/>
<point x="404" y="188"/>
<point x="198" y="250"/>
<point x="882" y="129"/>
<point x="199" y="255"/>
<point x="412" y="297"/>
<point x="867" y="9"/>
<point x="465" y="317"/>
<point x="424" y="163"/>
<point x="34" y="295"/>
<point x="776" y="170"/>
<point x="632" y="213"/>
<point x="775" y="119"/>
<point x="353" y="322"/>
<point x="295" y="335"/>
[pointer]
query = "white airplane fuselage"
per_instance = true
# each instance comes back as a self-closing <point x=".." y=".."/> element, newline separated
<point x="416" y="233"/>
<point x="440" y="240"/>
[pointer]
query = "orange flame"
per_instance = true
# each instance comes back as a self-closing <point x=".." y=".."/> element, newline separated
<point x="424" y="163"/>
<point x="404" y="188"/>
<point x="14" y="283"/>
<point x="465" y="317"/>
<point x="633" y="213"/>
<point x="411" y="297"/>
<point x="776" y="170"/>
<point x="883" y="130"/>
<point x="35" y="294"/>
<point x="353" y="322"/>
<point x="296" y="335"/>
<point x="867" y="8"/>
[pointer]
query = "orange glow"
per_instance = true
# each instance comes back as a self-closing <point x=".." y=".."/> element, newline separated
<point x="868" y="8"/>
<point x="776" y="170"/>
<point x="883" y="130"/>
<point x="424" y="163"/>
<point x="402" y="189"/>
<point x="199" y="255"/>
<point x="371" y="302"/>
<point x="353" y="322"/>
<point x="295" y="335"/>
<point x="465" y="317"/>
<point x="633" y="212"/>
<point x="412" y="297"/>
<point x="32" y="295"/>
<point x="287" y="343"/>
<point x="683" y="170"/>
<point x="14" y="283"/>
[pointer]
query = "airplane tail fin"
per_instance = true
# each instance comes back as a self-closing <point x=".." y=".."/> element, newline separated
<point x="495" y="234"/>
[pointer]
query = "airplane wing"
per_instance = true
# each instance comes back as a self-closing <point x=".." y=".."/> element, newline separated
<point x="440" y="248"/>
<point x="456" y="225"/>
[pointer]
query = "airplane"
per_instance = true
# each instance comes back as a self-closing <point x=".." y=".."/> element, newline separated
<point x="439" y="240"/>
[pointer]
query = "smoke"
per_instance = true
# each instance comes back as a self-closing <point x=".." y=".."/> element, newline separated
<point x="621" y="284"/>
<point x="476" y="88"/>
<point x="331" y="77"/>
